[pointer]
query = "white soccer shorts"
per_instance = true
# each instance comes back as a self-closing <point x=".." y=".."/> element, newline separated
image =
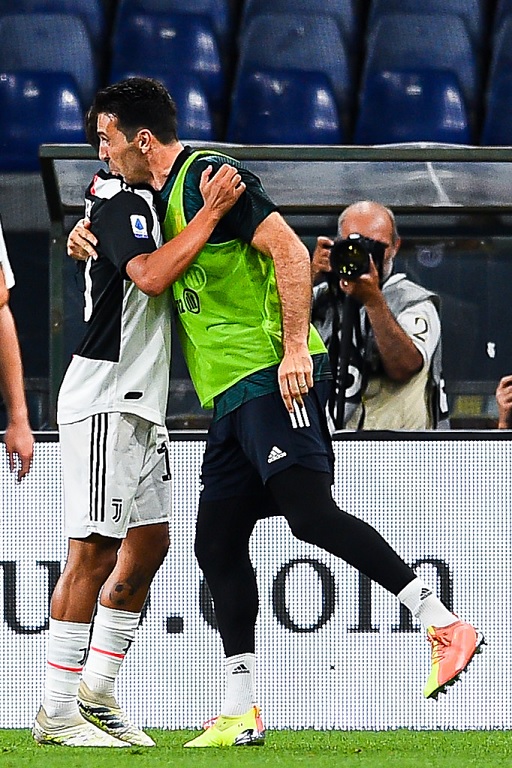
<point x="116" y="474"/>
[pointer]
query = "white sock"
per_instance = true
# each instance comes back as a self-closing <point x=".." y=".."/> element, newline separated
<point x="113" y="632"/>
<point x="425" y="606"/>
<point x="67" y="648"/>
<point x="239" y="696"/>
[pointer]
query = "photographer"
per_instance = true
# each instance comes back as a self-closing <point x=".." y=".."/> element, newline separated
<point x="394" y="369"/>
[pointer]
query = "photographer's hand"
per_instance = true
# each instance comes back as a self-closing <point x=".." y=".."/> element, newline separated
<point x="366" y="288"/>
<point x="504" y="401"/>
<point x="320" y="261"/>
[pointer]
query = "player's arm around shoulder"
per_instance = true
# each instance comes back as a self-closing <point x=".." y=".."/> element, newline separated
<point x="156" y="271"/>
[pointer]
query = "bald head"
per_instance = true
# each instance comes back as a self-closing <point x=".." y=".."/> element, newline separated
<point x="373" y="220"/>
<point x="370" y="217"/>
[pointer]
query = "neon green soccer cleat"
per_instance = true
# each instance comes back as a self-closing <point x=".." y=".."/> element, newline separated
<point x="453" y="647"/>
<point x="241" y="731"/>
<point x="107" y="715"/>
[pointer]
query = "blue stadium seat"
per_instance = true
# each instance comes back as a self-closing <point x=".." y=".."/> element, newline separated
<point x="345" y="12"/>
<point x="48" y="42"/>
<point x="195" y="120"/>
<point x="172" y="44"/>
<point x="404" y="106"/>
<point x="497" y="127"/>
<point x="36" y="108"/>
<point x="474" y="13"/>
<point x="501" y="56"/>
<point x="92" y="13"/>
<point x="402" y="41"/>
<point x="299" y="42"/>
<point x="503" y="10"/>
<point x="284" y="107"/>
<point x="218" y="12"/>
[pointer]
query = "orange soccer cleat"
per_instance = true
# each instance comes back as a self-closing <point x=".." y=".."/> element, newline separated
<point x="453" y="647"/>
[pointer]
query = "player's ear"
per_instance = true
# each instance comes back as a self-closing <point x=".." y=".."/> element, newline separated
<point x="144" y="139"/>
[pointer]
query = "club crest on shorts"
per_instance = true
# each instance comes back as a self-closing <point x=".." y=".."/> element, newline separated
<point x="117" y="505"/>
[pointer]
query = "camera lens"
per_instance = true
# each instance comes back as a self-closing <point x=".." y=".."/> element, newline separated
<point x="355" y="260"/>
<point x="350" y="257"/>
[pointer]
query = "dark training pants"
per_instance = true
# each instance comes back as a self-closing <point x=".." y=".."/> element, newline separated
<point x="303" y="496"/>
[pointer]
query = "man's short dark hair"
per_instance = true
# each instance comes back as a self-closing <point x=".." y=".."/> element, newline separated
<point x="137" y="102"/>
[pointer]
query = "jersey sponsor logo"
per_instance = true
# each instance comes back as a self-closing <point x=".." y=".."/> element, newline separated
<point x="275" y="454"/>
<point x="139" y="226"/>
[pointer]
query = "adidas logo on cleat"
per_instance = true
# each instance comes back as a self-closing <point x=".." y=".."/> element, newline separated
<point x="276" y="454"/>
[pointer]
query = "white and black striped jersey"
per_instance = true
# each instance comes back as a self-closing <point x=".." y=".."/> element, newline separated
<point x="122" y="364"/>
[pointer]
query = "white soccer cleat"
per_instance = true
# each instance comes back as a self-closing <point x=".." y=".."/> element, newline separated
<point x="105" y="713"/>
<point x="71" y="733"/>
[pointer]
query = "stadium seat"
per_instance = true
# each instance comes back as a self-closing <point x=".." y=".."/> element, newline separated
<point x="472" y="12"/>
<point x="36" y="108"/>
<point x="172" y="44"/>
<point x="501" y="57"/>
<point x="299" y="42"/>
<point x="503" y="11"/>
<point x="92" y="13"/>
<point x="345" y="12"/>
<point x="497" y="127"/>
<point x="412" y="106"/>
<point x="402" y="41"/>
<point x="48" y="42"/>
<point x="218" y="12"/>
<point x="284" y="107"/>
<point x="195" y="120"/>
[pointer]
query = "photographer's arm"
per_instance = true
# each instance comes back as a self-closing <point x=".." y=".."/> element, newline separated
<point x="399" y="355"/>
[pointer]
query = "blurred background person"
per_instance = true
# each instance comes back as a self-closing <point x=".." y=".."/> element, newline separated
<point x="394" y="378"/>
<point x="19" y="441"/>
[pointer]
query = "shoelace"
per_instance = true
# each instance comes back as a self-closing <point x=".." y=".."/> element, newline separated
<point x="439" y="644"/>
<point x="209" y="723"/>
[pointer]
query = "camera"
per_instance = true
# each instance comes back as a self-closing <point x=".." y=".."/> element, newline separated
<point x="350" y="256"/>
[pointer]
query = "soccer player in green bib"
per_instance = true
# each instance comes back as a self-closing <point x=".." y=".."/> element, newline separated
<point x="243" y="312"/>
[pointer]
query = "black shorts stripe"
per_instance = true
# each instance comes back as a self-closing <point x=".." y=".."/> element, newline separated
<point x="98" y="467"/>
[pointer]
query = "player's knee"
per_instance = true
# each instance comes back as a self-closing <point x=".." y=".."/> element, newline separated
<point x="303" y="528"/>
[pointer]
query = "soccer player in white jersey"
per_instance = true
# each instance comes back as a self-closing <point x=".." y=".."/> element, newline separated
<point x="114" y="445"/>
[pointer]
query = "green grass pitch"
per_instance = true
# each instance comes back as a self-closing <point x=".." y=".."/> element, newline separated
<point x="343" y="749"/>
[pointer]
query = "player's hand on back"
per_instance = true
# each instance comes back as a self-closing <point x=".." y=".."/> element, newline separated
<point x="81" y="243"/>
<point x="222" y="190"/>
